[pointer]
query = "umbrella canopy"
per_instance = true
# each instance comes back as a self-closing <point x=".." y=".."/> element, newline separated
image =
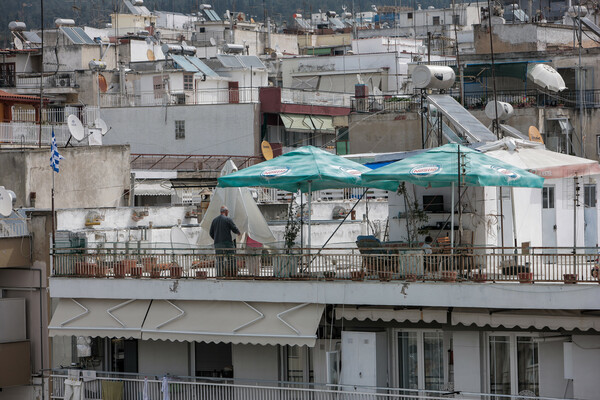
<point x="545" y="76"/>
<point x="438" y="167"/>
<point x="305" y="169"/>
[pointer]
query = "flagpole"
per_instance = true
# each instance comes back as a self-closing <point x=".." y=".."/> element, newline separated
<point x="53" y="222"/>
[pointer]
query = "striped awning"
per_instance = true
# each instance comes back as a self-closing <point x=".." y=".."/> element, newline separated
<point x="390" y="314"/>
<point x="538" y="319"/>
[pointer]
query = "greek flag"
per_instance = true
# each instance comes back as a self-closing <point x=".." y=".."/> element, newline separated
<point x="55" y="157"/>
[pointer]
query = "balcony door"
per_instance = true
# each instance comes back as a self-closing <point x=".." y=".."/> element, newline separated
<point x="512" y="364"/>
<point x="421" y="361"/>
<point x="549" y="226"/>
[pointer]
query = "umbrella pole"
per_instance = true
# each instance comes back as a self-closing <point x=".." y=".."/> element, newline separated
<point x="514" y="215"/>
<point x="309" y="212"/>
<point x="452" y="220"/>
<point x="301" y="220"/>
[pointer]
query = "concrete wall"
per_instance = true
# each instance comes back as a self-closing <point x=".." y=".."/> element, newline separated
<point x="384" y="132"/>
<point x="93" y="176"/>
<point x="230" y="129"/>
<point x="255" y="362"/>
<point x="161" y="357"/>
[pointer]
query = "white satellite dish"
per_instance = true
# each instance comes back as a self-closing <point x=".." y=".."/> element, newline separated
<point x="18" y="44"/>
<point x="212" y="41"/>
<point x="101" y="124"/>
<point x="6" y="202"/>
<point x="95" y="137"/>
<point x="75" y="127"/>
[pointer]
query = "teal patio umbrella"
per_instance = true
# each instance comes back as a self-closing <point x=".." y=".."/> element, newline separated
<point x="454" y="164"/>
<point x="306" y="169"/>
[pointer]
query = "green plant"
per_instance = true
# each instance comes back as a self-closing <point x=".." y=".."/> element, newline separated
<point x="293" y="225"/>
<point x="414" y="214"/>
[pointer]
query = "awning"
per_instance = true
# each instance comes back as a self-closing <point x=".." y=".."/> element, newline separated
<point x="540" y="319"/>
<point x="304" y="122"/>
<point x="153" y="189"/>
<point x="297" y="122"/>
<point x="323" y="123"/>
<point x="99" y="317"/>
<point x="233" y="322"/>
<point x="390" y="314"/>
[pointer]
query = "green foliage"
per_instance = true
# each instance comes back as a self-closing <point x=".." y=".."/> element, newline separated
<point x="292" y="228"/>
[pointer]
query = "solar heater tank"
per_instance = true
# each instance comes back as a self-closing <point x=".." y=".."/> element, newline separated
<point x="505" y="110"/>
<point x="433" y="77"/>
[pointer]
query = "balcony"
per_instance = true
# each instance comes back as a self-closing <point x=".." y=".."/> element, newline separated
<point x="393" y="264"/>
<point x="131" y="387"/>
<point x="316" y="98"/>
<point x="188" y="97"/>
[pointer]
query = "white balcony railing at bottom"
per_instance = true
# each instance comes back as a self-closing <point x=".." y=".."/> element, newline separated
<point x="134" y="386"/>
<point x="28" y="134"/>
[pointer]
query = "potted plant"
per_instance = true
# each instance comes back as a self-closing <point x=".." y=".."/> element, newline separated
<point x="285" y="265"/>
<point x="358" y="275"/>
<point x="411" y="278"/>
<point x="570" y="278"/>
<point x="329" y="275"/>
<point x="479" y="277"/>
<point x="175" y="271"/>
<point x="449" y="276"/>
<point x="384" y="276"/>
<point x="525" y="277"/>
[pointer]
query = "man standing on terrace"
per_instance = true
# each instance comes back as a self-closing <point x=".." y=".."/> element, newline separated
<point x="220" y="232"/>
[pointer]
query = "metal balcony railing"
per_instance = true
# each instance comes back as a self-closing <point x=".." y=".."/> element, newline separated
<point x="185" y="97"/>
<point x="133" y="386"/>
<point x="315" y="98"/>
<point x="27" y="134"/>
<point x="395" y="262"/>
<point x="58" y="80"/>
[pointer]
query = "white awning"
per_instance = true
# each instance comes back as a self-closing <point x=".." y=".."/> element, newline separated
<point x="390" y="314"/>
<point x="99" y="317"/>
<point x="539" y="319"/>
<point x="153" y="189"/>
<point x="233" y="322"/>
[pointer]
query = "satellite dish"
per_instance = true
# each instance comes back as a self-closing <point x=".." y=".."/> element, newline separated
<point x="183" y="43"/>
<point x="95" y="137"/>
<point x="150" y="55"/>
<point x="18" y="44"/>
<point x="534" y="135"/>
<point x="76" y="127"/>
<point x="101" y="124"/>
<point x="266" y="149"/>
<point x="212" y="41"/>
<point x="5" y="202"/>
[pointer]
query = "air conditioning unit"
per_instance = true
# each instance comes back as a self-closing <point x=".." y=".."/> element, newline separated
<point x="180" y="98"/>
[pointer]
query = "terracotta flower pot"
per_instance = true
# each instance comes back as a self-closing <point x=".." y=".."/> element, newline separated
<point x="525" y="277"/>
<point x="479" y="278"/>
<point x="149" y="263"/>
<point x="384" y="276"/>
<point x="201" y="274"/>
<point x="329" y="275"/>
<point x="357" y="275"/>
<point x="175" y="271"/>
<point x="570" y="278"/>
<point x="449" y="276"/>
<point x="155" y="272"/>
<point x="136" y="272"/>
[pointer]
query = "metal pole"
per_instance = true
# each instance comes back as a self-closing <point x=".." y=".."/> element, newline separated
<point x="514" y="216"/>
<point x="41" y="76"/>
<point x="309" y="212"/>
<point x="581" y="87"/>
<point x="495" y="125"/>
<point x="452" y="219"/>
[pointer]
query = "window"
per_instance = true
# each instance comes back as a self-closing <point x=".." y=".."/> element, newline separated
<point x="7" y="75"/>
<point x="409" y="15"/>
<point x="589" y="194"/>
<point x="188" y="82"/>
<point x="513" y="364"/>
<point x="179" y="129"/>
<point x="436" y="20"/>
<point x="548" y="197"/>
<point x="298" y="364"/>
<point x="421" y="360"/>
<point x="598" y="144"/>
<point x="456" y="19"/>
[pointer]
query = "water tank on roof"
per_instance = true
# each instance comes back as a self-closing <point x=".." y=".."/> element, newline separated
<point x="137" y="2"/>
<point x="189" y="50"/>
<point x="17" y="26"/>
<point x="505" y="110"/>
<point x="433" y="77"/>
<point x="64" y="22"/>
<point x="205" y="6"/>
<point x="575" y="11"/>
<point x="233" y="48"/>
